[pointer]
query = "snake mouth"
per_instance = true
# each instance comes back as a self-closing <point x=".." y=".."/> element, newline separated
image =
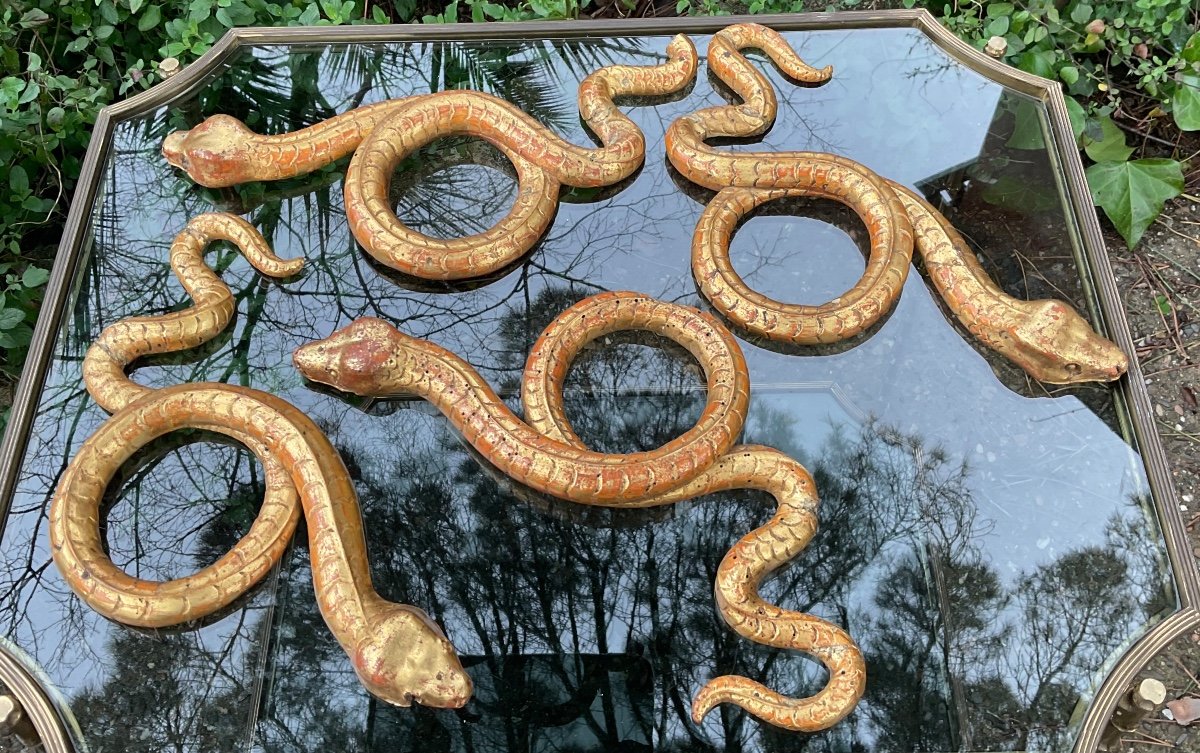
<point x="446" y="696"/>
<point x="314" y="363"/>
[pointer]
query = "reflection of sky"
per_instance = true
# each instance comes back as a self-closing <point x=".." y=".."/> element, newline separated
<point x="1046" y="475"/>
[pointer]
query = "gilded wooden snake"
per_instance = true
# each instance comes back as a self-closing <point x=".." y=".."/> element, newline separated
<point x="398" y="652"/>
<point x="372" y="358"/>
<point x="222" y="151"/>
<point x="1048" y="339"/>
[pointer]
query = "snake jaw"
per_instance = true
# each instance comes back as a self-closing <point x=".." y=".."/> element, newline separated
<point x="214" y="153"/>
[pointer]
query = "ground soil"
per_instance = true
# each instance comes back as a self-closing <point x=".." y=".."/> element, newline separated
<point x="1160" y="285"/>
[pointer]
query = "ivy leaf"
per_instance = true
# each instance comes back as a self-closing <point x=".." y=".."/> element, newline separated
<point x="34" y="277"/>
<point x="32" y="91"/>
<point x="1037" y="62"/>
<point x="1133" y="193"/>
<point x="18" y="337"/>
<point x="108" y="12"/>
<point x="33" y="17"/>
<point x="1110" y="147"/>
<point x="135" y="5"/>
<point x="150" y="18"/>
<point x="1191" y="50"/>
<point x="1027" y="128"/>
<point x="1185" y="104"/>
<point x="11" y="87"/>
<point x="310" y="16"/>
<point x="997" y="27"/>
<point x="1077" y="116"/>
<point x="18" y="180"/>
<point x="1020" y="195"/>
<point x="10" y="318"/>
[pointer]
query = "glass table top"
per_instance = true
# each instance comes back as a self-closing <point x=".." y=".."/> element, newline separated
<point x="989" y="541"/>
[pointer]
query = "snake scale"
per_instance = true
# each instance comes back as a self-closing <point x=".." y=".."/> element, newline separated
<point x="399" y="653"/>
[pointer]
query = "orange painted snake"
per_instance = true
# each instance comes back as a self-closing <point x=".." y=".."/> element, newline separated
<point x="398" y="652"/>
<point x="1048" y="339"/>
<point x="372" y="358"/>
<point x="222" y="151"/>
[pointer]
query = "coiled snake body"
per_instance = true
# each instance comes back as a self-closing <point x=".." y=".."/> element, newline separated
<point x="1048" y="339"/>
<point x="222" y="151"/>
<point x="398" y="652"/>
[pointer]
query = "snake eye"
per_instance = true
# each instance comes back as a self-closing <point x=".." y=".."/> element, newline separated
<point x="1073" y="368"/>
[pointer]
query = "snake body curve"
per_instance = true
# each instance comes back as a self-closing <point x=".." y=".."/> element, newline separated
<point x="398" y="652"/>
<point x="1048" y="339"/>
<point x="372" y="358"/>
<point x="222" y="152"/>
<point x="741" y="571"/>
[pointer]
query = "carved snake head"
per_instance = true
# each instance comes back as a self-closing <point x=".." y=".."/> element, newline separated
<point x="361" y="358"/>
<point x="214" y="153"/>
<point x="1056" y="345"/>
<point x="405" y="657"/>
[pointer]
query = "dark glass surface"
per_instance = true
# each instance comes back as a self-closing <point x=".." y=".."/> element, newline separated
<point x="989" y="541"/>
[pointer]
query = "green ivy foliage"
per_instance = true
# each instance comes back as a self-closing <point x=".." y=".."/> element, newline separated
<point x="60" y="62"/>
<point x="1117" y="60"/>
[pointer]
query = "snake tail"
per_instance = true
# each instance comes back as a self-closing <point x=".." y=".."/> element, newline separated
<point x="759" y="104"/>
<point x="754" y="557"/>
<point x="122" y="343"/>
